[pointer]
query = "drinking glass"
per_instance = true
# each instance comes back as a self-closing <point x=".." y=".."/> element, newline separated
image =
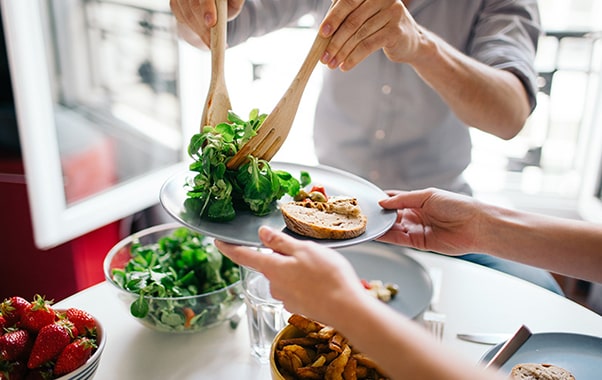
<point x="266" y="316"/>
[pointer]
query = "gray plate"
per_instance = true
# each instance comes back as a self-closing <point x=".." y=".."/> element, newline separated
<point x="579" y="354"/>
<point x="243" y="229"/>
<point x="388" y="263"/>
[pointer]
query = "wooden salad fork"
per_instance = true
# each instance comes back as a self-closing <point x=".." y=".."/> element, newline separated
<point x="278" y="123"/>
<point x="217" y="103"/>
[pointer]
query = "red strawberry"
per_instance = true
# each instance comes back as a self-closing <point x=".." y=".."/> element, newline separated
<point x="15" y="344"/>
<point x="12" y="308"/>
<point x="74" y="356"/>
<point x="84" y="322"/>
<point x="49" y="343"/>
<point x="37" y="314"/>
<point x="3" y="324"/>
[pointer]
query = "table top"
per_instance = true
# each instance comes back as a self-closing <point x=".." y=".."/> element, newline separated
<point x="474" y="299"/>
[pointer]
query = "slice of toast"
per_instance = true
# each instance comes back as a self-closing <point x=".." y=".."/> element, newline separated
<point x="537" y="371"/>
<point x="339" y="218"/>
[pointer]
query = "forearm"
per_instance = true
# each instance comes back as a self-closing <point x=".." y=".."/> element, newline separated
<point x="402" y="348"/>
<point x="565" y="246"/>
<point x="492" y="100"/>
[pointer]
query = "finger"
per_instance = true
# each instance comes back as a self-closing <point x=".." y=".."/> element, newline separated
<point x="176" y="10"/>
<point x="357" y="26"/>
<point x="370" y="37"/>
<point x="353" y="52"/>
<point x="188" y="35"/>
<point x="391" y="194"/>
<point x="279" y="241"/>
<point x="234" y="7"/>
<point x="336" y="15"/>
<point x="352" y="20"/>
<point x="205" y="13"/>
<point x="398" y="235"/>
<point x="197" y="16"/>
<point x="410" y="199"/>
<point x="251" y="257"/>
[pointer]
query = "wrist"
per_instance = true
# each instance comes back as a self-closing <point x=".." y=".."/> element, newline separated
<point x="427" y="49"/>
<point x="497" y="227"/>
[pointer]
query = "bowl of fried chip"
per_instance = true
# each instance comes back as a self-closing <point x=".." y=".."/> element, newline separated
<point x="307" y="349"/>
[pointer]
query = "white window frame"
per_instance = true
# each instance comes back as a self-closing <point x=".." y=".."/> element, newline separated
<point x="54" y="221"/>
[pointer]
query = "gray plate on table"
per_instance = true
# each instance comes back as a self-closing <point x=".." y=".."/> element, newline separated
<point x="579" y="354"/>
<point x="243" y="229"/>
<point x="388" y="263"/>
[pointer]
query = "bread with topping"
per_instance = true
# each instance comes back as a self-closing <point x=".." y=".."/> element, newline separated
<point x="539" y="371"/>
<point x="338" y="218"/>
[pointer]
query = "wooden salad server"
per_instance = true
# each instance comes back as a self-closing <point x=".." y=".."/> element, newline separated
<point x="217" y="104"/>
<point x="276" y="126"/>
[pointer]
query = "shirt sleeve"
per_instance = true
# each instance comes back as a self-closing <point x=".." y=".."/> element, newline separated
<point x="259" y="17"/>
<point x="506" y="37"/>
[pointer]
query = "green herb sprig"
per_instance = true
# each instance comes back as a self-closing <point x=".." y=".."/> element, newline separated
<point x="181" y="264"/>
<point x="216" y="192"/>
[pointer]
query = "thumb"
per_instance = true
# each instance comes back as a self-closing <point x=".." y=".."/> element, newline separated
<point x="278" y="241"/>
<point x="406" y="199"/>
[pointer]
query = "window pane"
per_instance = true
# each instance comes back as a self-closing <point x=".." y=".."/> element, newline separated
<point x="116" y="89"/>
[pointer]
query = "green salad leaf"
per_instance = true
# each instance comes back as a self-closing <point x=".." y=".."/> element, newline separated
<point x="183" y="263"/>
<point x="216" y="192"/>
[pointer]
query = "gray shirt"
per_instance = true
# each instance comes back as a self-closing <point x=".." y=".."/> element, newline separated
<point x="380" y="120"/>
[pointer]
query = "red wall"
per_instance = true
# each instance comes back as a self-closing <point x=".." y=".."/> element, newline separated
<point x="55" y="273"/>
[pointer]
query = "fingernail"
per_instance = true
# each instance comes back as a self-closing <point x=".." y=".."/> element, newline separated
<point x="208" y="19"/>
<point x="326" y="30"/>
<point x="266" y="233"/>
<point x="325" y="57"/>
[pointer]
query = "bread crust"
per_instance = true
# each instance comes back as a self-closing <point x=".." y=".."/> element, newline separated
<point x="337" y="219"/>
<point x="539" y="371"/>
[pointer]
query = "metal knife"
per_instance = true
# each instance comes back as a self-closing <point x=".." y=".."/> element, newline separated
<point x="485" y="338"/>
<point x="510" y="347"/>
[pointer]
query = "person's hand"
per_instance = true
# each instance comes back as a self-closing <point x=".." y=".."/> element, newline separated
<point x="434" y="220"/>
<point x="307" y="277"/>
<point x="195" y="18"/>
<point x="359" y="28"/>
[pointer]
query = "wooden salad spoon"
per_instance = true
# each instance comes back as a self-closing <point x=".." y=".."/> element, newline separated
<point x="276" y="126"/>
<point x="217" y="103"/>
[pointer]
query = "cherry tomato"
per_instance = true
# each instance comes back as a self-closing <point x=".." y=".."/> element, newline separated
<point x="319" y="188"/>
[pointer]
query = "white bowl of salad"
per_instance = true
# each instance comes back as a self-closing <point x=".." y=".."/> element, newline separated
<point x="174" y="279"/>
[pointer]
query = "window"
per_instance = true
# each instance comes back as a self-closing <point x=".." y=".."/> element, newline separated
<point x="96" y="85"/>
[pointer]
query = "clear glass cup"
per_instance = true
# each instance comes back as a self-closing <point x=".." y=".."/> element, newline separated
<point x="266" y="316"/>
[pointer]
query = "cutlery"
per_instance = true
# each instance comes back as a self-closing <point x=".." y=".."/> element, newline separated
<point x="510" y="347"/>
<point x="276" y="126"/>
<point x="432" y="318"/>
<point x="217" y="103"/>
<point x="484" y="338"/>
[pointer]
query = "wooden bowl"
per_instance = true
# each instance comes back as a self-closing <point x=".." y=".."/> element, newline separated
<point x="289" y="331"/>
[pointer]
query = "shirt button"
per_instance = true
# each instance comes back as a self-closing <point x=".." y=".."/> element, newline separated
<point x="386" y="89"/>
<point x="379" y="134"/>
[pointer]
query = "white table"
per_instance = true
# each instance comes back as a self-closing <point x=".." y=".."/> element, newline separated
<point x="474" y="298"/>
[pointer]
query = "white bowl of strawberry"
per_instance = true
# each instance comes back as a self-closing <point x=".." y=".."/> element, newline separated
<point x="38" y="341"/>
